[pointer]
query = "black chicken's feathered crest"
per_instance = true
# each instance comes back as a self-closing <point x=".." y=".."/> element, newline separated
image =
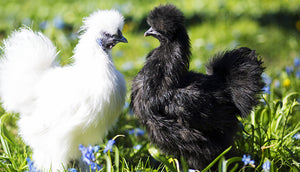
<point x="166" y="19"/>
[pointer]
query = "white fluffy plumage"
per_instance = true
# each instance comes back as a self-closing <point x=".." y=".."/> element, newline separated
<point x="62" y="107"/>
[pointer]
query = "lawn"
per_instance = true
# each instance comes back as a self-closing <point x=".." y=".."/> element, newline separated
<point x="271" y="133"/>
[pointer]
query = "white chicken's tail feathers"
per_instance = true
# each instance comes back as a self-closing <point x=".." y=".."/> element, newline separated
<point x="26" y="56"/>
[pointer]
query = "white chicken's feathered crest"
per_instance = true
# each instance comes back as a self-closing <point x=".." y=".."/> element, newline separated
<point x="103" y="20"/>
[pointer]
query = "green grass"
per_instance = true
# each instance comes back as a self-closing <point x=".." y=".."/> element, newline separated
<point x="269" y="27"/>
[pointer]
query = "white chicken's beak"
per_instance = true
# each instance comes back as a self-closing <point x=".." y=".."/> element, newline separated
<point x="122" y="39"/>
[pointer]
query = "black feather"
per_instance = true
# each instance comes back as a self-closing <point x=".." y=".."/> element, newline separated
<point x="186" y="113"/>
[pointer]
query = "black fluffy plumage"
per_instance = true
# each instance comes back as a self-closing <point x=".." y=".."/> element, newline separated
<point x="186" y="113"/>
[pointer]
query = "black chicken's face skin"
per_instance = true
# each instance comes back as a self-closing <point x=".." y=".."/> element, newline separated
<point x="108" y="41"/>
<point x="156" y="34"/>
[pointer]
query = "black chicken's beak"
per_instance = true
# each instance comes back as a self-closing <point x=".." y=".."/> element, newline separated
<point x="150" y="32"/>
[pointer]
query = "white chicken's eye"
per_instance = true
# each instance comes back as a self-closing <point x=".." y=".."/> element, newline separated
<point x="107" y="34"/>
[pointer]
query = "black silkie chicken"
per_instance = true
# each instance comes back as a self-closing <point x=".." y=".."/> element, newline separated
<point x="190" y="114"/>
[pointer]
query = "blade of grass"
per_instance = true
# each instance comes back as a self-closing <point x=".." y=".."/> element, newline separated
<point x="215" y="160"/>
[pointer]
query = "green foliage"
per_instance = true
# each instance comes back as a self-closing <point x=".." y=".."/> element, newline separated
<point x="270" y="27"/>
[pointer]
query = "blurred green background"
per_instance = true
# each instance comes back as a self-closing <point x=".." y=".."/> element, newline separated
<point x="272" y="27"/>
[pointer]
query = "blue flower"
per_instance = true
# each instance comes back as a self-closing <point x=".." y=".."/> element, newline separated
<point x="209" y="46"/>
<point x="276" y="83"/>
<point x="43" y="25"/>
<point x="267" y="79"/>
<point x="88" y="156"/>
<point x="131" y="131"/>
<point x="266" y="89"/>
<point x="59" y="22"/>
<point x="31" y="167"/>
<point x="126" y="105"/>
<point x="297" y="62"/>
<point x="72" y="170"/>
<point x="247" y="160"/>
<point x="137" y="132"/>
<point x="109" y="145"/>
<point x="73" y="36"/>
<point x="266" y="166"/>
<point x="198" y="64"/>
<point x="191" y="170"/>
<point x="127" y="66"/>
<point x="298" y="74"/>
<point x="297" y="136"/>
<point x="130" y="112"/>
<point x="96" y="148"/>
<point x="137" y="147"/>
<point x="289" y="69"/>
<point x="27" y="21"/>
<point x="95" y="166"/>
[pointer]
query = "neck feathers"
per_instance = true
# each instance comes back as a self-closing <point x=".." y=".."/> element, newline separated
<point x="168" y="64"/>
<point x="177" y="56"/>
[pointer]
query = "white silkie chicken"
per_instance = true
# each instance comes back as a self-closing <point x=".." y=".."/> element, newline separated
<point x="62" y="107"/>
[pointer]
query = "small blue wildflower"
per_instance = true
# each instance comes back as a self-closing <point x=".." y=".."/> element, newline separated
<point x="209" y="46"/>
<point x="289" y="69"/>
<point x="266" y="166"/>
<point x="298" y="74"/>
<point x="266" y="89"/>
<point x="43" y="25"/>
<point x="31" y="167"/>
<point x="191" y="170"/>
<point x="96" y="148"/>
<point x="59" y="22"/>
<point x="131" y="131"/>
<point x="198" y="64"/>
<point x="297" y="62"/>
<point x="137" y="132"/>
<point x="72" y="170"/>
<point x="234" y="44"/>
<point x="73" y="36"/>
<point x="127" y="66"/>
<point x="247" y="160"/>
<point x="130" y="112"/>
<point x="26" y="21"/>
<point x="297" y="136"/>
<point x="126" y="105"/>
<point x="95" y="166"/>
<point x="267" y="79"/>
<point x="137" y="147"/>
<point x="119" y="54"/>
<point x="276" y="83"/>
<point x="88" y="155"/>
<point x="109" y="145"/>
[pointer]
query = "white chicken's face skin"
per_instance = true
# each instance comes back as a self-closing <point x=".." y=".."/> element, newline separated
<point x="108" y="41"/>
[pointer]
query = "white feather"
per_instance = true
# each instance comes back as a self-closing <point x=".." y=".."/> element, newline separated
<point x="62" y="107"/>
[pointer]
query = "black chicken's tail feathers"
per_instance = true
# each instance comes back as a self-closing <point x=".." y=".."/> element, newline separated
<point x="241" y="70"/>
